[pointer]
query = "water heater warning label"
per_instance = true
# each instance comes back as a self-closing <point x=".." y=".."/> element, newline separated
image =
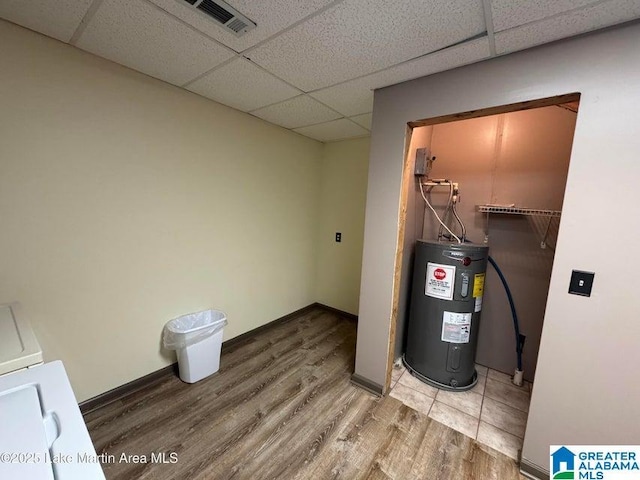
<point x="478" y="286"/>
<point x="456" y="327"/>
<point x="440" y="281"/>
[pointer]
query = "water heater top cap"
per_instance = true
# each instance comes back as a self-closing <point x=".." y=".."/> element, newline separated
<point x="455" y="245"/>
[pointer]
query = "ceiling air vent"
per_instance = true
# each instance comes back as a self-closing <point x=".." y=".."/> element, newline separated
<point x="224" y="14"/>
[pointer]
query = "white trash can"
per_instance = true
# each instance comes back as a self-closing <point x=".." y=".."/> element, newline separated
<point x="197" y="340"/>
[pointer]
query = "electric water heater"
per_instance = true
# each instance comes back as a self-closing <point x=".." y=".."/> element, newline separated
<point x="444" y="316"/>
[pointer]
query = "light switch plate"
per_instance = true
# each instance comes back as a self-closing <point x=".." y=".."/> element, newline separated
<point x="581" y="283"/>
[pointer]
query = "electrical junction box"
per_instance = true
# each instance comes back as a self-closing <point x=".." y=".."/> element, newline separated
<point x="581" y="283"/>
<point x="422" y="166"/>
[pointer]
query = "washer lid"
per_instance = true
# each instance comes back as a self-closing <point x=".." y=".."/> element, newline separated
<point x="42" y="429"/>
<point x="23" y="435"/>
<point x="18" y="345"/>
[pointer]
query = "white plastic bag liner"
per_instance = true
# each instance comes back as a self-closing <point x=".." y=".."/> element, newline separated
<point x="192" y="328"/>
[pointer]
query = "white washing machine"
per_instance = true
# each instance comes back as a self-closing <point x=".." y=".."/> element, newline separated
<point x="42" y="433"/>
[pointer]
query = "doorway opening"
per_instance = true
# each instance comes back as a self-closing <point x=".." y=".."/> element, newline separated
<point x="510" y="164"/>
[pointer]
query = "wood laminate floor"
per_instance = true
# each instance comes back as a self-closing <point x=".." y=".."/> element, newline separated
<point x="282" y="407"/>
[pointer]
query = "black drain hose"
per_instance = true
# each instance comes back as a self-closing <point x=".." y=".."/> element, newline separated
<point x="516" y="327"/>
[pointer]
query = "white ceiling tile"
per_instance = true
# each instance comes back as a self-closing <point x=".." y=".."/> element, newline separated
<point x="567" y="25"/>
<point x="270" y="16"/>
<point x="55" y="18"/>
<point x="139" y="35"/>
<point x="356" y="96"/>
<point x="349" y="98"/>
<point x="357" y="37"/>
<point x="330" y="131"/>
<point x="297" y="112"/>
<point x="512" y="13"/>
<point x="241" y="84"/>
<point x="363" y="120"/>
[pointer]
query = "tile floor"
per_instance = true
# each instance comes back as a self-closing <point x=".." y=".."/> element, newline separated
<point x="494" y="412"/>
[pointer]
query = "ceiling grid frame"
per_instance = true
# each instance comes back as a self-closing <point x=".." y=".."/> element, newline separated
<point x="243" y="85"/>
<point x="488" y="19"/>
<point x="86" y="19"/>
<point x="508" y="26"/>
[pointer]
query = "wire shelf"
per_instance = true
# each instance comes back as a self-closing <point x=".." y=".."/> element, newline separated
<point x="513" y="210"/>
<point x="519" y="211"/>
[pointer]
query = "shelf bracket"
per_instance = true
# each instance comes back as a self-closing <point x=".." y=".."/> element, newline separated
<point x="543" y="243"/>
<point x="486" y="228"/>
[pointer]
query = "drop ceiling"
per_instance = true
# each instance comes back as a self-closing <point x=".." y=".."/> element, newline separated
<point x="310" y="65"/>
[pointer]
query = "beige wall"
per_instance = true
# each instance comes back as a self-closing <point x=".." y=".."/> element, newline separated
<point x="125" y="202"/>
<point x="343" y="184"/>
<point x="520" y="158"/>
<point x="583" y="392"/>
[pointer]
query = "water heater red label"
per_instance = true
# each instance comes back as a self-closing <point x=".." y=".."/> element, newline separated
<point x="440" y="281"/>
<point x="440" y="274"/>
